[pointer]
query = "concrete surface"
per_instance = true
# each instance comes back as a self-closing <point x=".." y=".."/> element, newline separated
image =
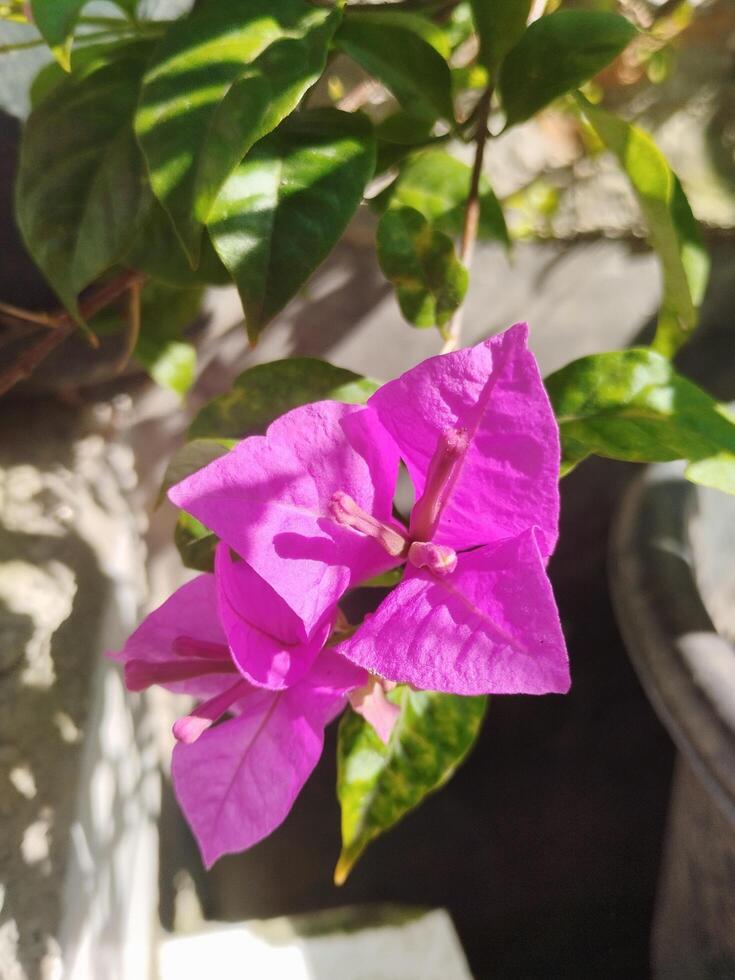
<point x="380" y="943"/>
<point x="78" y="771"/>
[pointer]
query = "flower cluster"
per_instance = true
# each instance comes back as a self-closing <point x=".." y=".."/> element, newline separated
<point x="304" y="514"/>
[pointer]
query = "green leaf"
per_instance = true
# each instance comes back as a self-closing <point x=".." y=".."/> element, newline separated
<point x="262" y="393"/>
<point x="284" y="208"/>
<point x="632" y="405"/>
<point x="437" y="184"/>
<point x="172" y="364"/>
<point x="81" y="192"/>
<point x="400" y="134"/>
<point x="499" y="23"/>
<point x="388" y="46"/>
<point x="556" y="54"/>
<point x="222" y="78"/>
<point x="421" y="263"/>
<point x="195" y="543"/>
<point x="56" y="19"/>
<point x="164" y="314"/>
<point x="378" y="784"/>
<point x="157" y="251"/>
<point x="672" y="230"/>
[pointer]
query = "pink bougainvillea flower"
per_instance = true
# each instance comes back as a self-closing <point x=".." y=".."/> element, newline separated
<point x="309" y="507"/>
<point x="237" y="780"/>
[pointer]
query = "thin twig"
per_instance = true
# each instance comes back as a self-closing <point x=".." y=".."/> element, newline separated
<point x="471" y="214"/>
<point x="30" y="358"/>
<point x="133" y="326"/>
<point x="30" y="316"/>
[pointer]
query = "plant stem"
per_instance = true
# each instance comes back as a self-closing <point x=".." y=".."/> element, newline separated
<point x="471" y="213"/>
<point x="64" y="324"/>
<point x="21" y="45"/>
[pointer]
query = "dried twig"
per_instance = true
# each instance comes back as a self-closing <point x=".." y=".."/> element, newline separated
<point x="64" y="325"/>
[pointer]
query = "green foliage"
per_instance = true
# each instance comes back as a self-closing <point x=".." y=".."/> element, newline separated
<point x="223" y="78"/>
<point x="632" y="405"/>
<point x="389" y="46"/>
<point x="195" y="544"/>
<point x="283" y="209"/>
<point x="81" y="193"/>
<point x="556" y="55"/>
<point x="378" y="784"/>
<point x="422" y="264"/>
<point x="500" y="24"/>
<point x="56" y="19"/>
<point x="164" y="314"/>
<point x="262" y="393"/>
<point x="672" y="229"/>
<point x="437" y="184"/>
<point x="158" y="252"/>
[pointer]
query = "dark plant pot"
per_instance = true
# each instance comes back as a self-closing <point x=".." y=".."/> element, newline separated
<point x="673" y="578"/>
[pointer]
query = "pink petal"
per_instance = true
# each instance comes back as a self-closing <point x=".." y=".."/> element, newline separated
<point x="185" y="628"/>
<point x="269" y="500"/>
<point x="371" y="702"/>
<point x="509" y="478"/>
<point x="490" y="627"/>
<point x="237" y="782"/>
<point x="266" y="637"/>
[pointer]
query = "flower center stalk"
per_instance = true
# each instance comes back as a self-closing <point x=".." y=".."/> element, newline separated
<point x="346" y="512"/>
<point x="444" y="470"/>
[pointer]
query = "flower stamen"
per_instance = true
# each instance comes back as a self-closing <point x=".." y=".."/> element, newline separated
<point x="344" y="510"/>
<point x="444" y="469"/>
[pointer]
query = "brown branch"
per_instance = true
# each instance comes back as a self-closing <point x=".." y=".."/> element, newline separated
<point x="30" y="358"/>
<point x="472" y="212"/>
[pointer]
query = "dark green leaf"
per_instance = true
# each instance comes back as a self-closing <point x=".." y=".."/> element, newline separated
<point x="500" y="23"/>
<point x="437" y="185"/>
<point x="55" y="19"/>
<point x="81" y="192"/>
<point x="196" y="545"/>
<point x="378" y="784"/>
<point x="672" y="229"/>
<point x="388" y="46"/>
<point x="557" y="54"/>
<point x="632" y="405"/>
<point x="284" y="208"/>
<point x="222" y="78"/>
<point x="400" y="134"/>
<point x="158" y="252"/>
<point x="421" y="263"/>
<point x="261" y="394"/>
